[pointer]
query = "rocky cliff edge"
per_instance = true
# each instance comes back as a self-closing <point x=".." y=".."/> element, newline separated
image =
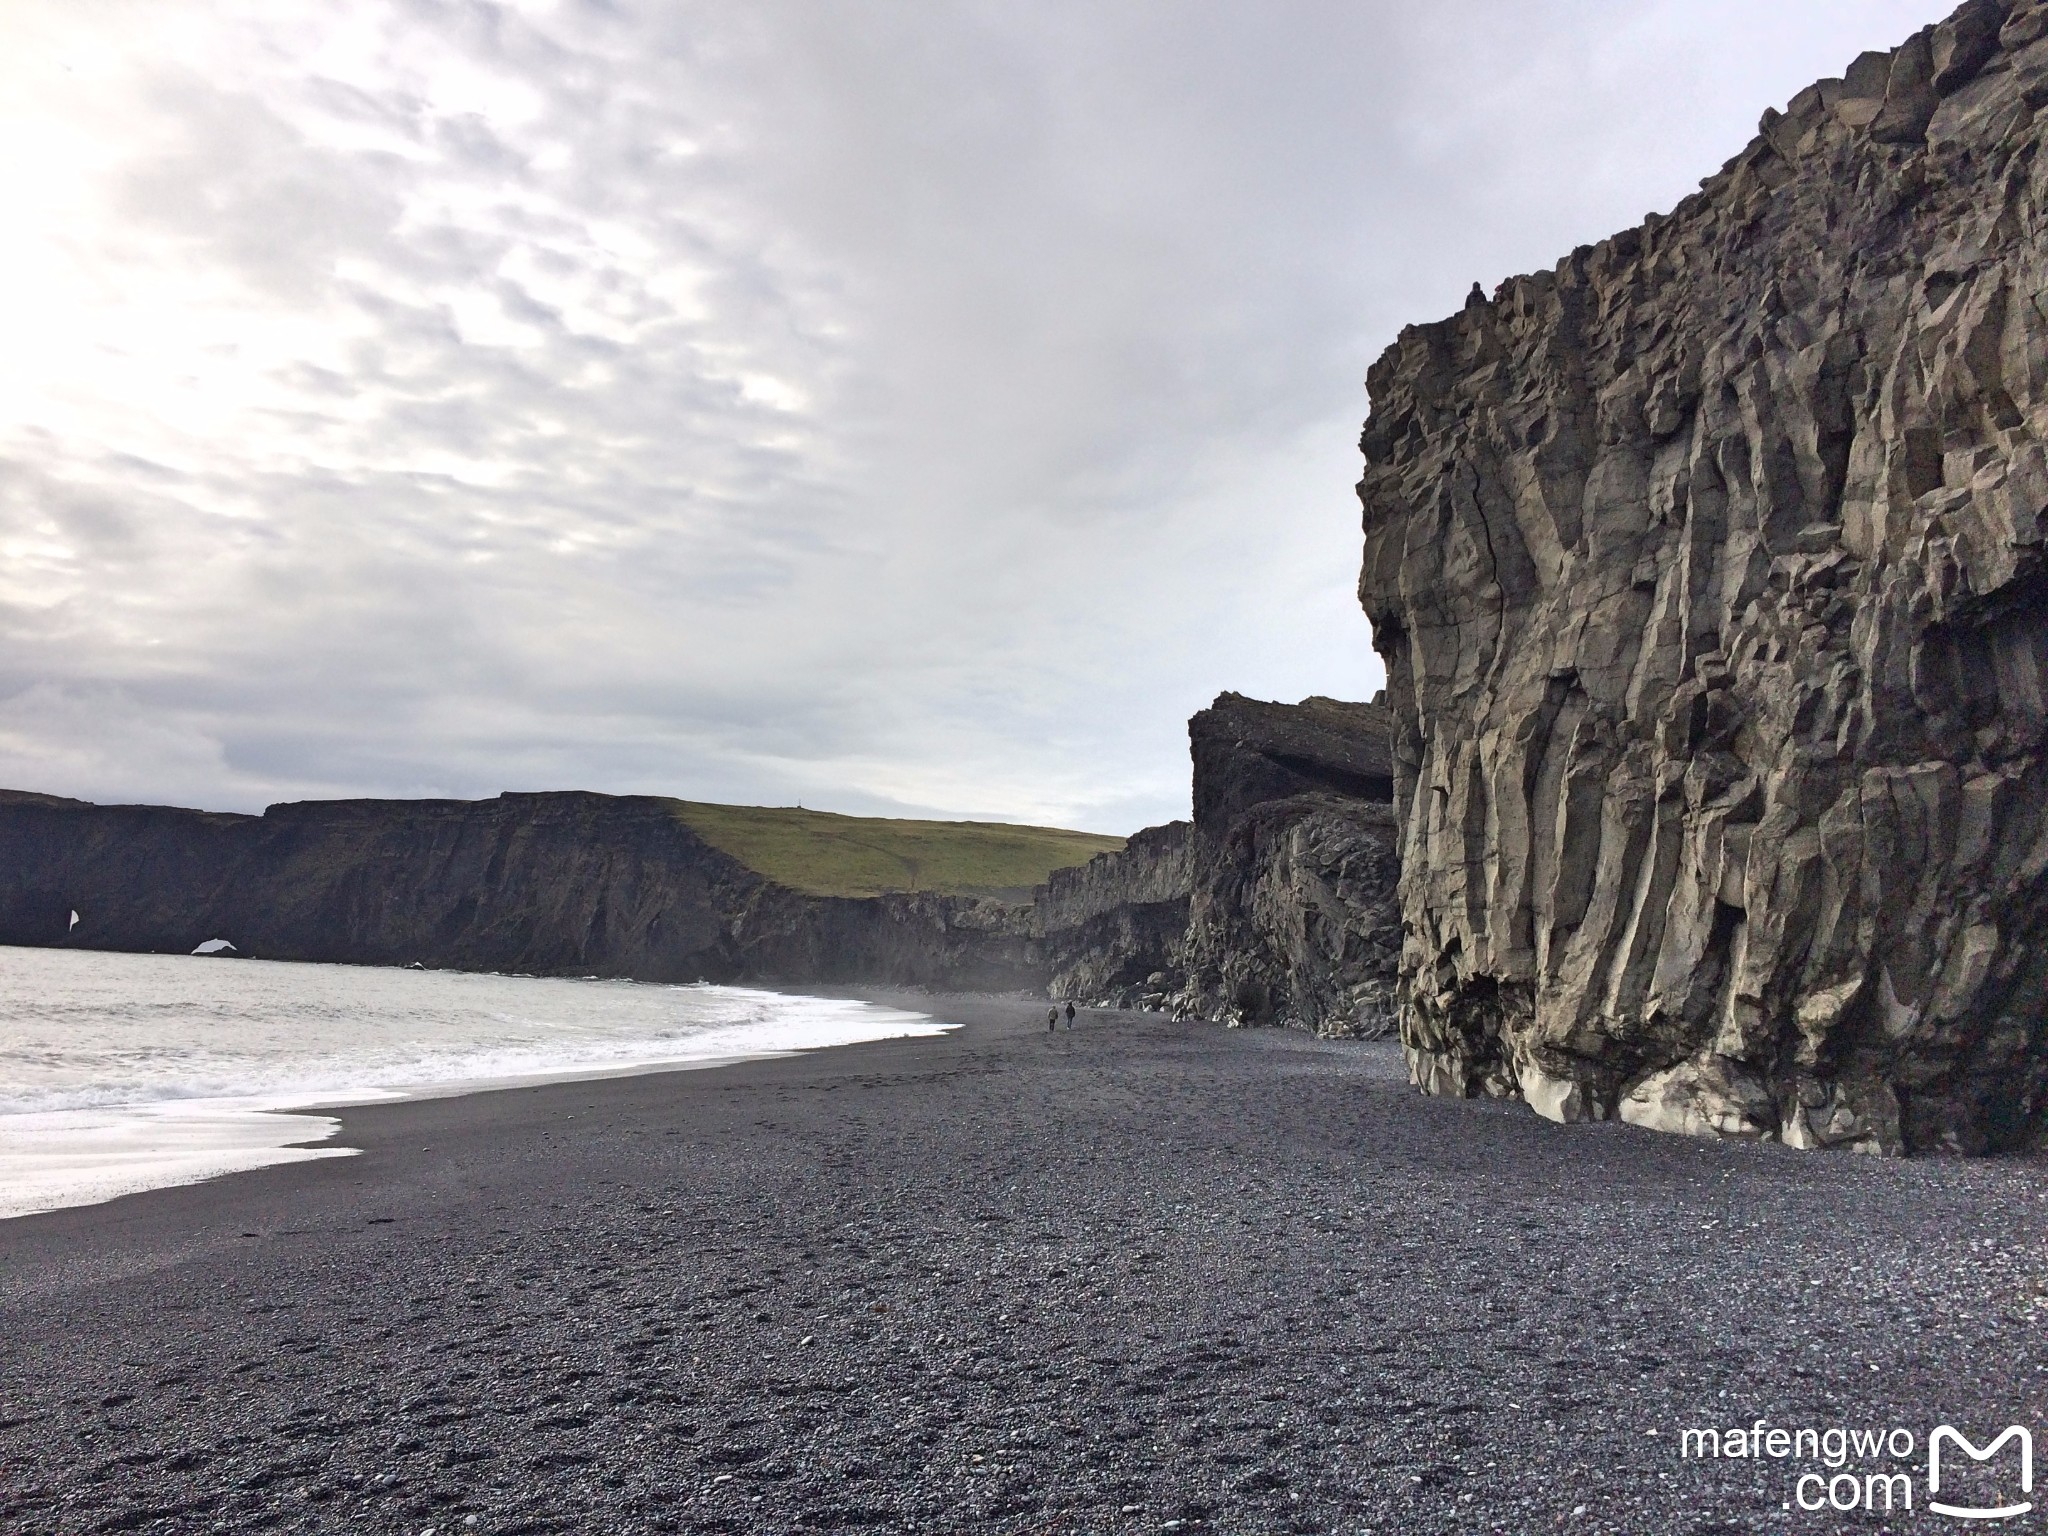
<point x="1708" y="573"/>
<point x="1276" y="905"/>
<point x="560" y="884"/>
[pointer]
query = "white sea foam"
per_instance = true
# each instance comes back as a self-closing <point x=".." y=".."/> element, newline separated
<point x="127" y="1072"/>
<point x="59" y="1157"/>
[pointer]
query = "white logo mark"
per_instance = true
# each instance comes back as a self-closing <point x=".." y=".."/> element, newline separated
<point x="1962" y="1443"/>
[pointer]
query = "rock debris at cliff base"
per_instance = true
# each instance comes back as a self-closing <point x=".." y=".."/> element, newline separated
<point x="1707" y="569"/>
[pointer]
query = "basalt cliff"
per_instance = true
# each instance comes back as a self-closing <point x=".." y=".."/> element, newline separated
<point x="1707" y="569"/>
<point x="550" y="884"/>
<point x="1110" y="932"/>
<point x="1275" y="905"/>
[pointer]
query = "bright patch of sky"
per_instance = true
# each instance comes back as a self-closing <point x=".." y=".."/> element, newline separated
<point x="900" y="406"/>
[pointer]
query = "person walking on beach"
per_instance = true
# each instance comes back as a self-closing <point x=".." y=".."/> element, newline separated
<point x="1070" y="1013"/>
<point x="1052" y="1019"/>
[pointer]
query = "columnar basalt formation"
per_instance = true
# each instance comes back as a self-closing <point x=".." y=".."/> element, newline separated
<point x="1708" y="573"/>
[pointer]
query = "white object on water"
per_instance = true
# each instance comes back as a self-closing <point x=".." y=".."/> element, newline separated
<point x="213" y="947"/>
<point x="74" y="919"/>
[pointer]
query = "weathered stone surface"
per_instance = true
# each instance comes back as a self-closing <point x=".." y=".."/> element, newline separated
<point x="1296" y="917"/>
<point x="1110" y="932"/>
<point x="1277" y="905"/>
<point x="1293" y="915"/>
<point x="564" y="884"/>
<point x="1708" y="573"/>
<point x="1246" y="752"/>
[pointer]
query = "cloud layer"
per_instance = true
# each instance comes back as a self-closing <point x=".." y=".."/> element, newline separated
<point x="884" y="405"/>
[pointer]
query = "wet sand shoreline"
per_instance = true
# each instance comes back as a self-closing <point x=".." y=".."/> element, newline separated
<point x="1138" y="1274"/>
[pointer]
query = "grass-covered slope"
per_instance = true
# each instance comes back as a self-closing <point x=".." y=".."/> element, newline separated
<point x="827" y="855"/>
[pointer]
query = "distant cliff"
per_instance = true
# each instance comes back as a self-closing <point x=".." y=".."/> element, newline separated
<point x="1111" y="931"/>
<point x="557" y="884"/>
<point x="1276" y="905"/>
<point x="1708" y="571"/>
<point x="1292" y="917"/>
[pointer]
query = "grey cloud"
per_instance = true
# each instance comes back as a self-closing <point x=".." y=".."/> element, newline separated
<point x="891" y="406"/>
<point x="241" y="182"/>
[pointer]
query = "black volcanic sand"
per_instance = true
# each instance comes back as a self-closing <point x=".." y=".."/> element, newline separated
<point x="1141" y="1274"/>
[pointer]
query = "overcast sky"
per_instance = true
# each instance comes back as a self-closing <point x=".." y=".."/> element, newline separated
<point x="900" y="408"/>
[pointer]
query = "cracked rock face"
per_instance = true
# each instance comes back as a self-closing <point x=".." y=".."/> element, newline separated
<point x="1292" y="918"/>
<point x="1708" y="573"/>
<point x="1276" y="905"/>
<point x="1110" y="931"/>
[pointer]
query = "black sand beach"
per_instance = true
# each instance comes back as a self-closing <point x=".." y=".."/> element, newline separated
<point x="1141" y="1277"/>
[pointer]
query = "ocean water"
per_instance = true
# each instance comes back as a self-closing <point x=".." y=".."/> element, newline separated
<point x="127" y="1072"/>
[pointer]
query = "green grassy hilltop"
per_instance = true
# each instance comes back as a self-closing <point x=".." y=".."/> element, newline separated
<point x="826" y="855"/>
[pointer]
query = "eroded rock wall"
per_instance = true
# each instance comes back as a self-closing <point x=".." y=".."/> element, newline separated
<point x="1707" y="569"/>
<point x="1293" y="917"/>
<point x="1296" y="918"/>
<point x="1276" y="905"/>
<point x="1247" y="752"/>
<point x="561" y="884"/>
<point x="1110" y="931"/>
